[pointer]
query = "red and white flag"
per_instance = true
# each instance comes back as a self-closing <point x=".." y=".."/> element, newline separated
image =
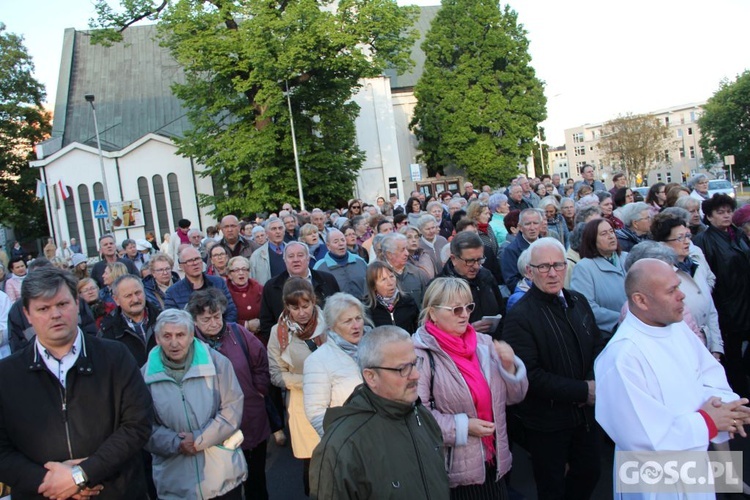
<point x="63" y="189"/>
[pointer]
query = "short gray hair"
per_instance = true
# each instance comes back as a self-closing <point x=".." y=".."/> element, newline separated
<point x="125" y="277"/>
<point x="678" y="212"/>
<point x="292" y="244"/>
<point x="371" y="347"/>
<point x="545" y="243"/>
<point x="687" y="202"/>
<point x="337" y="304"/>
<point x="424" y="220"/>
<point x="434" y="204"/>
<point x="650" y="250"/>
<point x="194" y="231"/>
<point x="174" y="317"/>
<point x="389" y="242"/>
<point x="523" y="260"/>
<point x="576" y="235"/>
<point x="586" y="212"/>
<point x="496" y="200"/>
<point x="696" y="179"/>
<point x="127" y="243"/>
<point x="630" y="212"/>
<point x="526" y="212"/>
<point x="549" y="200"/>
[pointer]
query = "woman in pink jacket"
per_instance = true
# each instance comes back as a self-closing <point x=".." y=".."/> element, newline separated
<point x="468" y="379"/>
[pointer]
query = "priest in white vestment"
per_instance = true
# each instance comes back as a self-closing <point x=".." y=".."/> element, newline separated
<point x="657" y="386"/>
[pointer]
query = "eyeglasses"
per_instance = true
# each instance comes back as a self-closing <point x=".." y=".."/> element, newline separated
<point x="545" y="268"/>
<point x="473" y="262"/>
<point x="194" y="260"/>
<point x="682" y="237"/>
<point x="459" y="310"/>
<point x="240" y="270"/>
<point x="162" y="270"/>
<point x="356" y="206"/>
<point x="405" y="370"/>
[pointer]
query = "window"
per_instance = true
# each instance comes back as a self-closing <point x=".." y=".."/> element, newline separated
<point x="148" y="215"/>
<point x="679" y="132"/>
<point x="666" y="120"/>
<point x="669" y="177"/>
<point x="579" y="166"/>
<point x="666" y="155"/>
<point x="692" y="152"/>
<point x="70" y="216"/>
<point x="682" y="152"/>
<point x="87" y="218"/>
<point x="690" y="130"/>
<point x="578" y="137"/>
<point x="161" y="204"/>
<point x="580" y="150"/>
<point x="692" y="116"/>
<point x="658" y="177"/>
<point x="174" y="196"/>
<point x="682" y="120"/>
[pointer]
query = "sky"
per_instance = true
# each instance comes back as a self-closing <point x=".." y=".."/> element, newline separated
<point x="598" y="59"/>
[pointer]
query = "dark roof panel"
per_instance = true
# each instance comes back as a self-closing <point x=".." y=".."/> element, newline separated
<point x="410" y="78"/>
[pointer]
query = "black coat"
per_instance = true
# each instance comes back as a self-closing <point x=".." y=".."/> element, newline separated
<point x="484" y="292"/>
<point x="114" y="327"/>
<point x="272" y="304"/>
<point x="404" y="315"/>
<point x="109" y="416"/>
<point x="558" y="346"/>
<point x="730" y="262"/>
<point x="97" y="272"/>
<point x="20" y="331"/>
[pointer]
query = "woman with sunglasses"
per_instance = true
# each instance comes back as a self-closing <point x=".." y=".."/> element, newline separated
<point x="354" y="209"/>
<point x="467" y="379"/>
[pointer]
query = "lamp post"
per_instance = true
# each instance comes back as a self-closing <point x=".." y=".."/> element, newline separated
<point x="294" y="149"/>
<point x="108" y="221"/>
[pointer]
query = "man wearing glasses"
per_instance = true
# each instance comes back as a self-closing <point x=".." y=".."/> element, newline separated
<point x="554" y="333"/>
<point x="383" y="418"/>
<point x="178" y="295"/>
<point x="467" y="257"/>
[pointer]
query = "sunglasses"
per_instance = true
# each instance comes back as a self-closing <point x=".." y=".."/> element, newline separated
<point x="458" y="310"/>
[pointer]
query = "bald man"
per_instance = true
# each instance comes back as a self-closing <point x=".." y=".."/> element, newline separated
<point x="657" y="386"/>
<point x="234" y="243"/>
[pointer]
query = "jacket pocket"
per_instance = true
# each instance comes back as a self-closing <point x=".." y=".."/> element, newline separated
<point x="448" y="458"/>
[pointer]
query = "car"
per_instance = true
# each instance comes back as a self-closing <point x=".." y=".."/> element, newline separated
<point x="723" y="186"/>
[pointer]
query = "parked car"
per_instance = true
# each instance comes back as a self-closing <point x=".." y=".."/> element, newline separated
<point x="722" y="186"/>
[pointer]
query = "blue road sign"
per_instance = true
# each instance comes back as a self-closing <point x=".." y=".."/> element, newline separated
<point x="100" y="209"/>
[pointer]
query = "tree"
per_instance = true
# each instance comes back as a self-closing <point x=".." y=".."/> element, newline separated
<point x="239" y="58"/>
<point x="635" y="143"/>
<point x="725" y="123"/>
<point x="478" y="101"/>
<point x="23" y="123"/>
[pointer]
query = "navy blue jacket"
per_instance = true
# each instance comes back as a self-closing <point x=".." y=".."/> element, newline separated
<point x="179" y="294"/>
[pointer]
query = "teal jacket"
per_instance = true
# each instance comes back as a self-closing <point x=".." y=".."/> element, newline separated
<point x="374" y="448"/>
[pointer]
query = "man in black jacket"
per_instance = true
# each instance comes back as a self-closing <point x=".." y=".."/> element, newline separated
<point x="296" y="259"/>
<point x="467" y="257"/>
<point x="132" y="323"/>
<point x="554" y="333"/>
<point x="77" y="412"/>
<point x="108" y="251"/>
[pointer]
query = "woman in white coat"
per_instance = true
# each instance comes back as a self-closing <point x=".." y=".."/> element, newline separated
<point x="331" y="372"/>
<point x="299" y="332"/>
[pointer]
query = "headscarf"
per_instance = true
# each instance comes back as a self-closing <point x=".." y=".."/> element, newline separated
<point x="288" y="327"/>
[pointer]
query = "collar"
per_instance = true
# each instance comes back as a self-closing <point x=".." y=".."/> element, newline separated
<point x="273" y="247"/>
<point x="41" y="359"/>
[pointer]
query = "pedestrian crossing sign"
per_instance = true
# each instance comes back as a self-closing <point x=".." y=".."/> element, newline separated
<point x="100" y="209"/>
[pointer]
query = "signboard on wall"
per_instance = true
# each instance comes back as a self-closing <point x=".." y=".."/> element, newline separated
<point x="416" y="172"/>
<point x="127" y="214"/>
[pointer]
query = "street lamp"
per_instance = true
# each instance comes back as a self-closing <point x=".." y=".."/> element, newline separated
<point x="90" y="99"/>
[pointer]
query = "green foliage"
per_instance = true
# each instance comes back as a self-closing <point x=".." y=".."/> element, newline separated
<point x="725" y="124"/>
<point x="479" y="100"/>
<point x="635" y="143"/>
<point x="239" y="58"/>
<point x="23" y="123"/>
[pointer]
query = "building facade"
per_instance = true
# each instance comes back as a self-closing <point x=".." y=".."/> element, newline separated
<point x="680" y="161"/>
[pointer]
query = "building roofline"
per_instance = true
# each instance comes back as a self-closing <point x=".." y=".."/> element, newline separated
<point x="106" y="154"/>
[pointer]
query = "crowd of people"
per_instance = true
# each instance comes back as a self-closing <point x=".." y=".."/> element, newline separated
<point x="400" y="349"/>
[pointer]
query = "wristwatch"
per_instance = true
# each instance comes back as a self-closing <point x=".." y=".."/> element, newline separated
<point x="79" y="477"/>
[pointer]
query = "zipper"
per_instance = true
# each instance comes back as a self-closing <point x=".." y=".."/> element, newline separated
<point x="393" y="320"/>
<point x="416" y="449"/>
<point x="187" y="420"/>
<point x="64" y="399"/>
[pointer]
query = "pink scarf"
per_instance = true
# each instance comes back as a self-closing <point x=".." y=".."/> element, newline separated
<point x="463" y="351"/>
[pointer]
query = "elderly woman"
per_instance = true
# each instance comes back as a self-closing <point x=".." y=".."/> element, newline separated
<point x="693" y="207"/>
<point x="385" y="302"/>
<point x="299" y="332"/>
<point x="696" y="278"/>
<point x="88" y="290"/>
<point x="699" y="184"/>
<point x="417" y="254"/>
<point x="217" y="261"/>
<point x="600" y="275"/>
<point x="499" y="208"/>
<point x="656" y="197"/>
<point x="431" y="242"/>
<point x="568" y="211"/>
<point x="607" y="206"/>
<point x="727" y="251"/>
<point x="350" y="234"/>
<point x="636" y="218"/>
<point x="308" y="234"/>
<point x="395" y="253"/>
<point x="198" y="409"/>
<point x="161" y="277"/>
<point x="331" y="373"/>
<point x="112" y="271"/>
<point x="246" y="293"/>
<point x="445" y="226"/>
<point x="250" y="362"/>
<point x="468" y="379"/>
<point x="259" y="236"/>
<point x="555" y="220"/>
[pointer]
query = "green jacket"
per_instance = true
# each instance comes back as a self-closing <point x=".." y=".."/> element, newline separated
<point x="379" y="449"/>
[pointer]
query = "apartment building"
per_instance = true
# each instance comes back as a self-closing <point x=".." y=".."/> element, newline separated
<point x="683" y="159"/>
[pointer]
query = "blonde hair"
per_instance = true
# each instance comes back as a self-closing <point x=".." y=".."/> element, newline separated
<point x="308" y="229"/>
<point x="441" y="291"/>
